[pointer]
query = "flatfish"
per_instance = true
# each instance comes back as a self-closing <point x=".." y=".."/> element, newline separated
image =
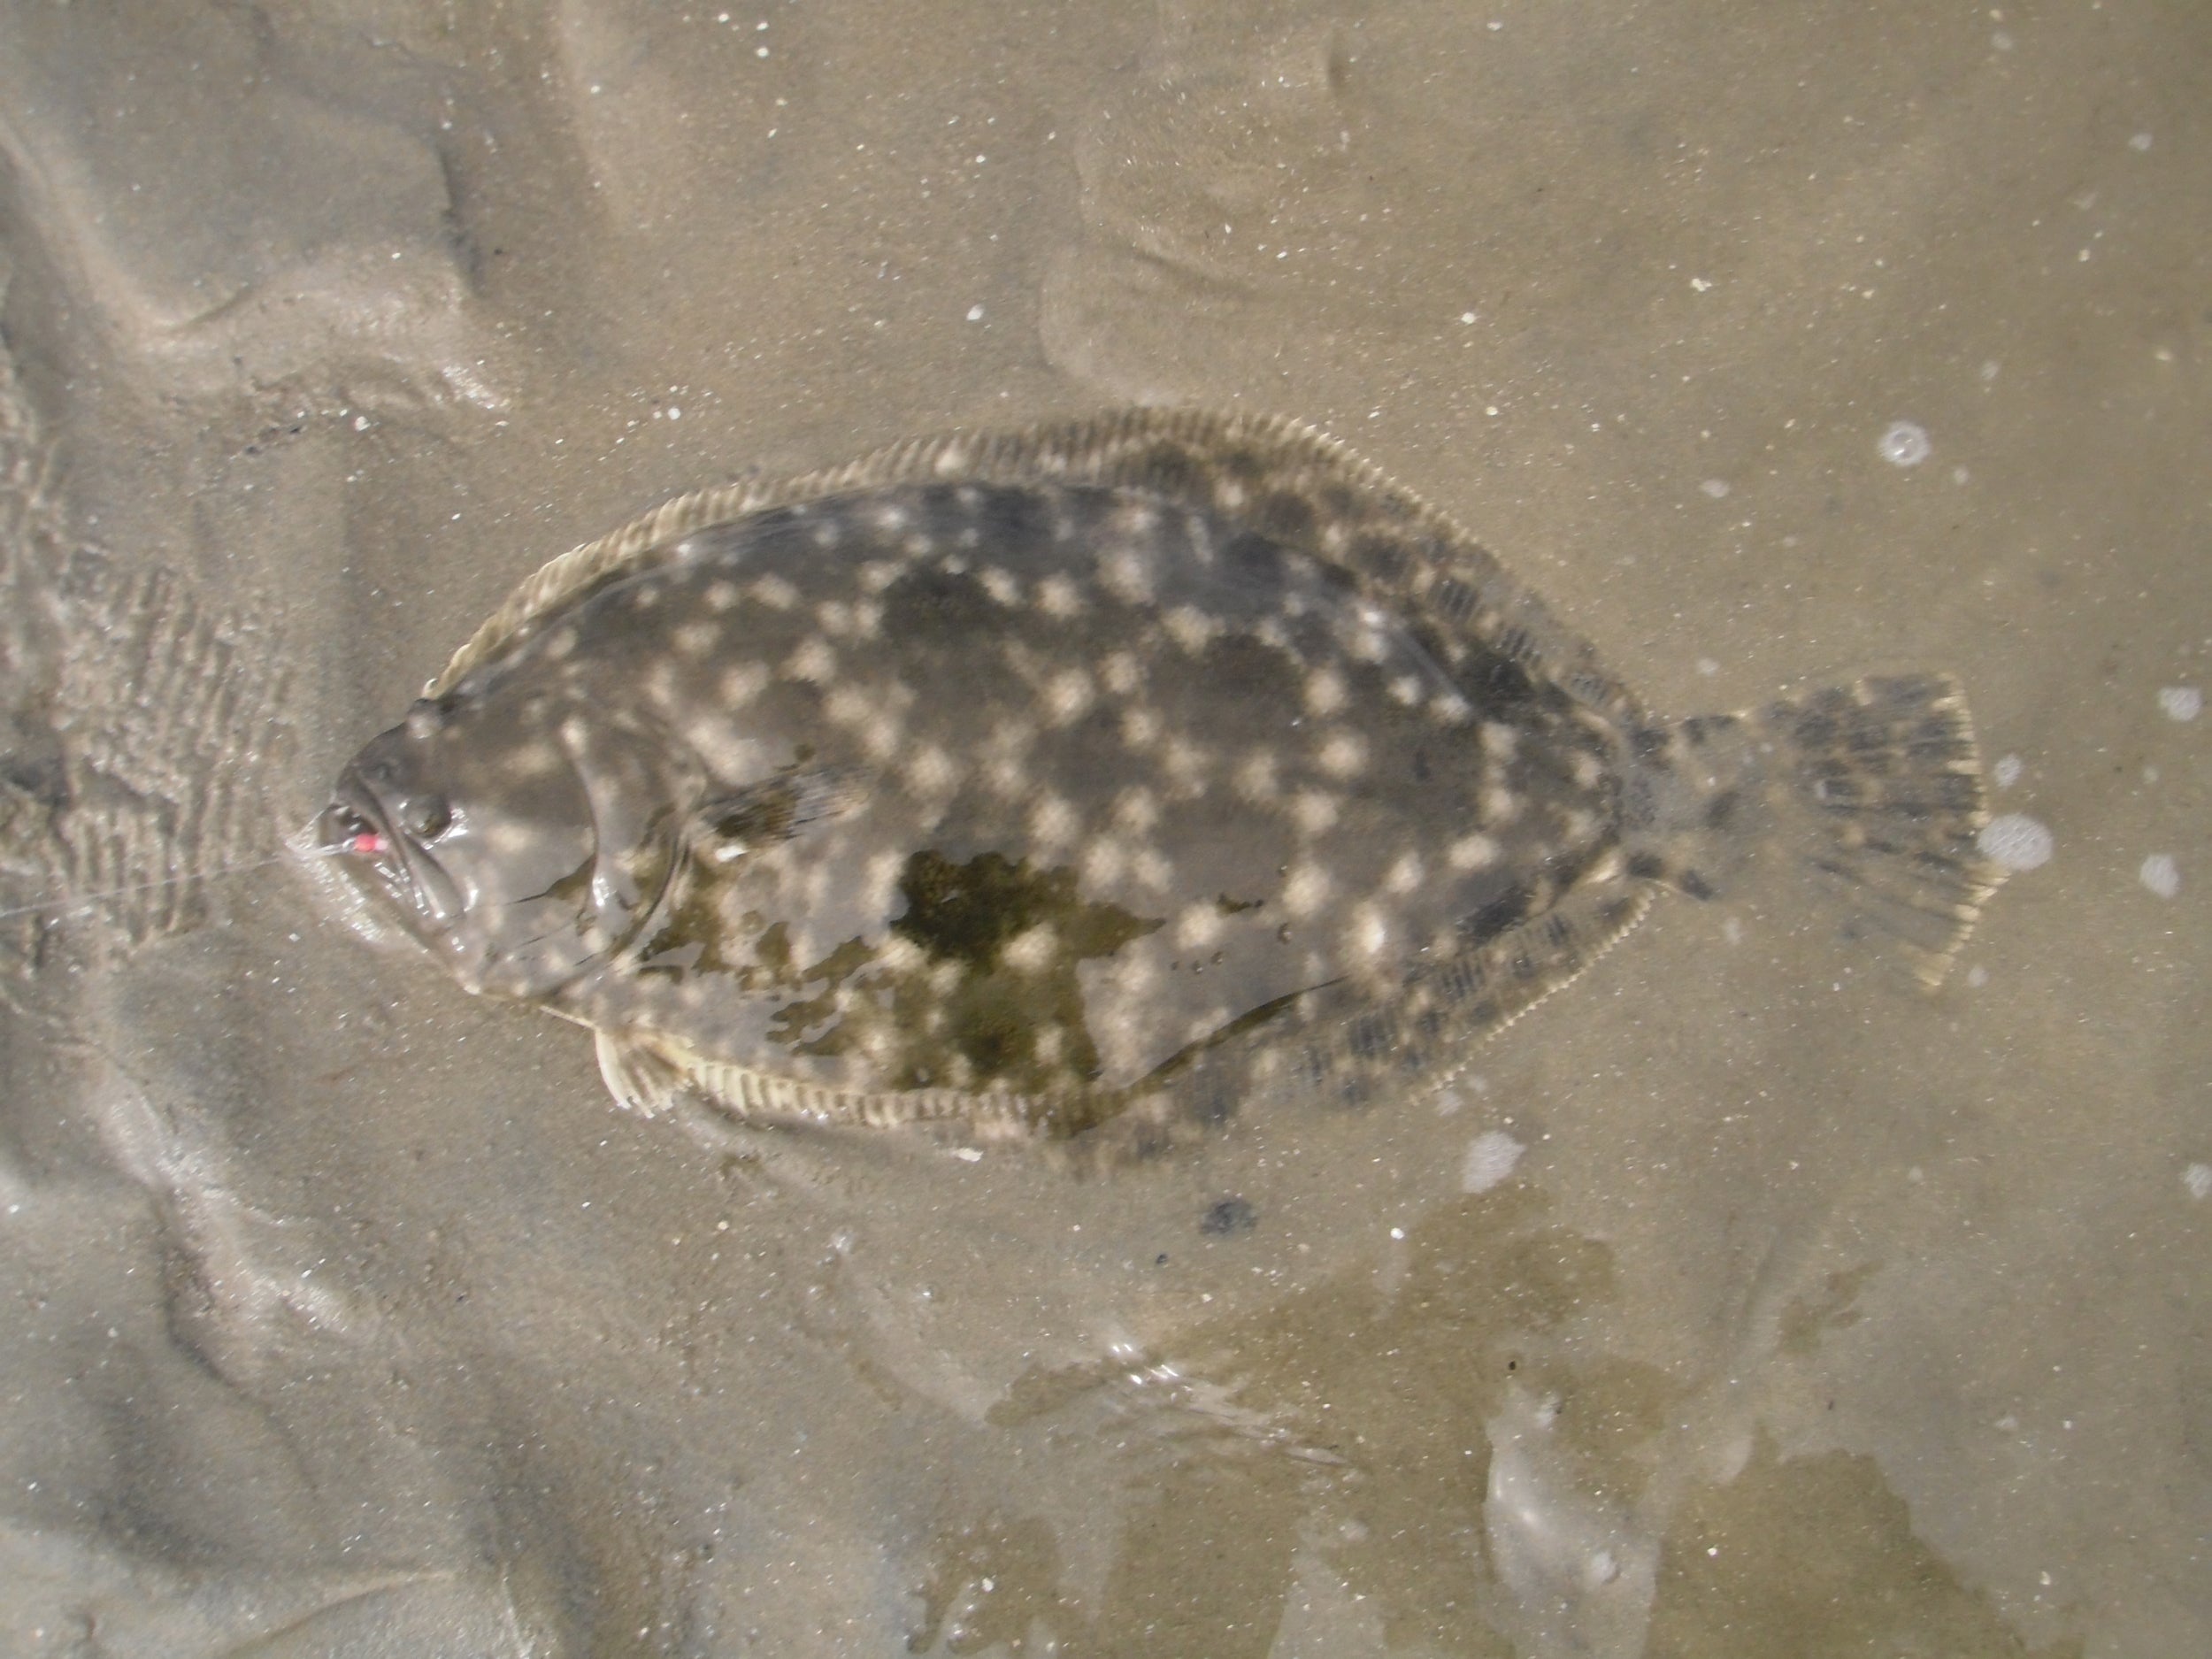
<point x="1101" y="783"/>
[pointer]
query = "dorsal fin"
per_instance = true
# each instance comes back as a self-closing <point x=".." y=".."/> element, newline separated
<point x="1283" y="477"/>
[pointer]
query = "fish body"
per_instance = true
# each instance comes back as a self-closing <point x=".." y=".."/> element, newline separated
<point x="1096" y="782"/>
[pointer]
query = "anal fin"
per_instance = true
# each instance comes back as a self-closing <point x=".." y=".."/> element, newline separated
<point x="656" y="1075"/>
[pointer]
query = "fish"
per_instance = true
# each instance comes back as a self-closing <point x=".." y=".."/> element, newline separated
<point x="1097" y="784"/>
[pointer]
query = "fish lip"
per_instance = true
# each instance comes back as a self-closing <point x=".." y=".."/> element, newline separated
<point x="405" y="868"/>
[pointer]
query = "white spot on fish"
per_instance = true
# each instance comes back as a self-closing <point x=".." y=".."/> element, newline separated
<point x="1057" y="596"/>
<point x="1313" y="811"/>
<point x="879" y="880"/>
<point x="1324" y="691"/>
<point x="1306" y="888"/>
<point x="1068" y="696"/>
<point x="1053" y="822"/>
<point x="1191" y="628"/>
<point x="1032" y="950"/>
<point x="1127" y="575"/>
<point x="1140" y="727"/>
<point x="774" y="592"/>
<point x="1121" y="675"/>
<point x="897" y="953"/>
<point x="871" y="716"/>
<point x="1342" y="754"/>
<point x="1370" y="640"/>
<point x="1187" y="765"/>
<point x="999" y="585"/>
<point x="812" y="661"/>
<point x="535" y="761"/>
<point x="1472" y="852"/>
<point x="1197" y="928"/>
<point x="1137" y="811"/>
<point x="507" y="839"/>
<point x="741" y="684"/>
<point x="1135" y="519"/>
<point x="696" y="638"/>
<point x="931" y="773"/>
<point x="1367" y="933"/>
<point x="1255" y="778"/>
<point x="1103" y="861"/>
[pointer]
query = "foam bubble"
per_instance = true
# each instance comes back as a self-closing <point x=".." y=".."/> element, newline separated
<point x="2181" y="702"/>
<point x="2016" y="840"/>
<point x="2198" y="1178"/>
<point x="1715" y="486"/>
<point x="1904" y="444"/>
<point x="2006" y="772"/>
<point x="1490" y="1156"/>
<point x="2160" y="875"/>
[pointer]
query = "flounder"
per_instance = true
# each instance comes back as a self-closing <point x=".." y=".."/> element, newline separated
<point x="1098" y="782"/>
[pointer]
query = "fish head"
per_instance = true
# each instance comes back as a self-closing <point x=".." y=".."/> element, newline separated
<point x="523" y="838"/>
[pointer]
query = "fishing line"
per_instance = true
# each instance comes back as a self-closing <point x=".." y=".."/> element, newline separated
<point x="93" y="901"/>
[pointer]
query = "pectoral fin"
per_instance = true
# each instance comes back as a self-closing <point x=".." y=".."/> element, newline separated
<point x="640" y="1076"/>
<point x="776" y="809"/>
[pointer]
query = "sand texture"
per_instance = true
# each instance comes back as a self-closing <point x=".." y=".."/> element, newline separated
<point x="1743" y="1300"/>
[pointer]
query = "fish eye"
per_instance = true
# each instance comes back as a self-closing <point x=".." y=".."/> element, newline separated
<point x="426" y="817"/>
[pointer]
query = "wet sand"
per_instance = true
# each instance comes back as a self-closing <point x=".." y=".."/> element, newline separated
<point x="1815" y="1314"/>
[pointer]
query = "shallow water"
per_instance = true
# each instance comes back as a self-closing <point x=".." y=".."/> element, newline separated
<point x="1816" y="1315"/>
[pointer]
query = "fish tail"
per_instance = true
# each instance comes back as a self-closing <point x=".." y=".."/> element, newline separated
<point x="1875" y="788"/>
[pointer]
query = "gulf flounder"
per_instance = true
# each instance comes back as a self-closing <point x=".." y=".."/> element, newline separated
<point x="1098" y="782"/>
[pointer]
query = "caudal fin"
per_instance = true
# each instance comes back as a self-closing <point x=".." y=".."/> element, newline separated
<point x="1878" y="785"/>
<point x="1875" y="789"/>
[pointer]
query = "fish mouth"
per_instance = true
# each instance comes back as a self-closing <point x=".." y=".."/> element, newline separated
<point x="355" y="830"/>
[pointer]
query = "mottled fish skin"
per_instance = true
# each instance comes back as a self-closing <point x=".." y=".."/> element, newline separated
<point x="1122" y="772"/>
